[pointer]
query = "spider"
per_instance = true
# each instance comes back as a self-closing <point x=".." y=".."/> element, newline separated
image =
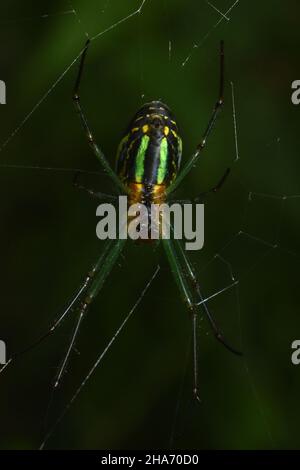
<point x="147" y="171"/>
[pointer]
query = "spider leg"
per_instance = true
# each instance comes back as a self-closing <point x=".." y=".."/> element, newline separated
<point x="107" y="262"/>
<point x="91" y="192"/>
<point x="97" y="151"/>
<point x="202" y="195"/>
<point x="78" y="294"/>
<point x="215" y="189"/>
<point x="187" y="283"/>
<point x="194" y="281"/>
<point x="187" y="295"/>
<point x="218" y="106"/>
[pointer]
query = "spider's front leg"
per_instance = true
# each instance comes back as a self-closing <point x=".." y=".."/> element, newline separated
<point x="217" y="108"/>
<point x="97" y="151"/>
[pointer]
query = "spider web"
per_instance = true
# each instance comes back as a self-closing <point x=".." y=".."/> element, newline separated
<point x="248" y="267"/>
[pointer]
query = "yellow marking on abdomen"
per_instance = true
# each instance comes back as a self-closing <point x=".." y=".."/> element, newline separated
<point x="139" y="194"/>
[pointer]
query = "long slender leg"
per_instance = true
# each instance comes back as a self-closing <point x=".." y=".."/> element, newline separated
<point x="107" y="264"/>
<point x="194" y="158"/>
<point x="101" y="270"/>
<point x="187" y="295"/>
<point x="187" y="282"/>
<point x="214" y="189"/>
<point x="86" y="283"/>
<point x="91" y="192"/>
<point x="97" y="151"/>
<point x="194" y="281"/>
<point x="202" y="195"/>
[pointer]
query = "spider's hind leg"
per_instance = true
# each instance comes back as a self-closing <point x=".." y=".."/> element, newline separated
<point x="189" y="287"/>
<point x="187" y="295"/>
<point x="102" y="269"/>
<point x="195" y="283"/>
<point x="99" y="270"/>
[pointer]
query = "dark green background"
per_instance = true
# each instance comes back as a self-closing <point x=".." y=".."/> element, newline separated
<point x="48" y="236"/>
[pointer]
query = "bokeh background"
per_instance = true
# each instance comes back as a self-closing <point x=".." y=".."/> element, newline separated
<point x="141" y="396"/>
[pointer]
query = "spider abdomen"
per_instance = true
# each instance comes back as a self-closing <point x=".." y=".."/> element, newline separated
<point x="149" y="155"/>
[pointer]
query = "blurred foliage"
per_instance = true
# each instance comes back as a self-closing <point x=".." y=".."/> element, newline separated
<point x="48" y="236"/>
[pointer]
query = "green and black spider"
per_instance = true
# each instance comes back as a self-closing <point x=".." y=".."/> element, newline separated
<point x="147" y="171"/>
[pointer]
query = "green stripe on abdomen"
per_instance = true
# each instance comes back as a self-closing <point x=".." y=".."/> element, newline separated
<point x="162" y="169"/>
<point x="140" y="159"/>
